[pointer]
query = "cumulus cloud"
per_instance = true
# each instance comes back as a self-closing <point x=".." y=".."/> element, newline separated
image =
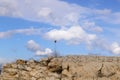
<point x="47" y="51"/>
<point x="75" y="34"/>
<point x="29" y="31"/>
<point x="35" y="48"/>
<point x="50" y="12"/>
<point x="115" y="48"/>
<point x="103" y="44"/>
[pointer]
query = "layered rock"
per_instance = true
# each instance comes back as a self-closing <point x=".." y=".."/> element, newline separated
<point x="64" y="68"/>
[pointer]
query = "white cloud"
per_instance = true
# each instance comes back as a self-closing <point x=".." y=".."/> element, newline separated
<point x="112" y="18"/>
<point x="59" y="13"/>
<point x="50" y="12"/>
<point x="75" y="34"/>
<point x="103" y="12"/>
<point x="103" y="44"/>
<point x="115" y="48"/>
<point x="47" y="51"/>
<point x="35" y="48"/>
<point x="44" y="12"/>
<point x="107" y="15"/>
<point x="91" y="26"/>
<point x="29" y="31"/>
<point x="9" y="8"/>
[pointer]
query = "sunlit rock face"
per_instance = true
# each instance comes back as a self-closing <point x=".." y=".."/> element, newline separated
<point x="64" y="68"/>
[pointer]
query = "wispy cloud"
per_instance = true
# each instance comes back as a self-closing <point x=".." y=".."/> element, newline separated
<point x="103" y="44"/>
<point x="9" y="8"/>
<point x="91" y="26"/>
<point x="29" y="31"/>
<point x="47" y="11"/>
<point x="64" y="15"/>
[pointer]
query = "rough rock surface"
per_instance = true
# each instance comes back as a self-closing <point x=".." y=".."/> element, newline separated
<point x="64" y="68"/>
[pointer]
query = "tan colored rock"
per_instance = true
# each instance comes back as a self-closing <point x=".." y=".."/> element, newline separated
<point x="21" y="62"/>
<point x="65" y="73"/>
<point x="64" y="68"/>
<point x="55" y="65"/>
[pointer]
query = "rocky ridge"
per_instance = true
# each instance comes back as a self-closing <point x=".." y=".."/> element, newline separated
<point x="64" y="68"/>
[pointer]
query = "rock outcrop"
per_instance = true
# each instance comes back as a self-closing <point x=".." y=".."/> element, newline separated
<point x="64" y="68"/>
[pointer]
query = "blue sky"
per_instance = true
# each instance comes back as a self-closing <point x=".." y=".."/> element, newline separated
<point x="28" y="28"/>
